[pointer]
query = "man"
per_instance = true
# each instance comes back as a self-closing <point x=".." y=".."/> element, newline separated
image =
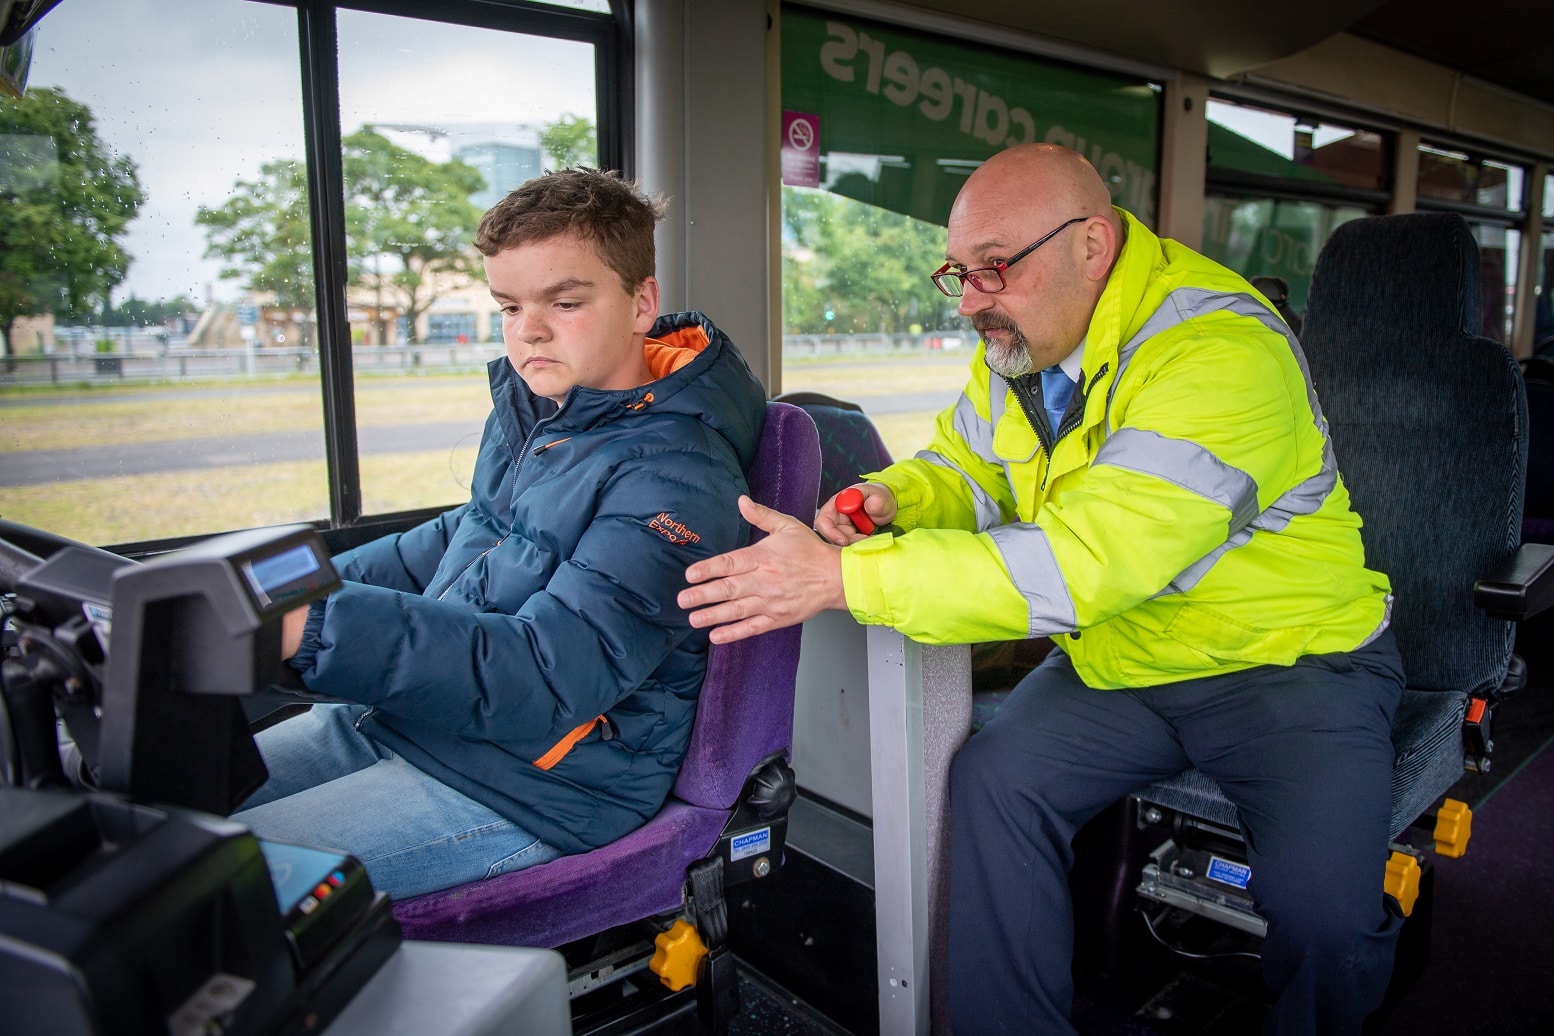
<point x="1139" y="469"/>
<point x="520" y="682"/>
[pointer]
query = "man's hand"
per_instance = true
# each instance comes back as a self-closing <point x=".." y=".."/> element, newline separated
<point x="879" y="504"/>
<point x="786" y="578"/>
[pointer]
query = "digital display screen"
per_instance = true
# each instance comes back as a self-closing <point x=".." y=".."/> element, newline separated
<point x="271" y="573"/>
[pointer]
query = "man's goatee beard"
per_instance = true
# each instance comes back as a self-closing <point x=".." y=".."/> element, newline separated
<point x="1012" y="360"/>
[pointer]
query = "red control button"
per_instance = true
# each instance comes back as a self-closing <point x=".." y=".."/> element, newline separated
<point x="850" y="502"/>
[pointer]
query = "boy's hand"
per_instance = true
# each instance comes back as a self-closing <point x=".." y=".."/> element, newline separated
<point x="292" y="625"/>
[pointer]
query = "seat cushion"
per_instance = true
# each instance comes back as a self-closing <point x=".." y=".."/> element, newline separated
<point x="638" y="876"/>
<point x="1426" y="735"/>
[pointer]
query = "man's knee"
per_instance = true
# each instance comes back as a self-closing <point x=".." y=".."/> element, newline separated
<point x="1326" y="928"/>
<point x="986" y="765"/>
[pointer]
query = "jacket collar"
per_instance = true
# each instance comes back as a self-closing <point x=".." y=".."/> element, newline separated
<point x="713" y="388"/>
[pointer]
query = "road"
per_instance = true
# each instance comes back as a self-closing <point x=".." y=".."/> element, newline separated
<point x="34" y="467"/>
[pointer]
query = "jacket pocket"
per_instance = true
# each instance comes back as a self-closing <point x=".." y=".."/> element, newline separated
<point x="1217" y="635"/>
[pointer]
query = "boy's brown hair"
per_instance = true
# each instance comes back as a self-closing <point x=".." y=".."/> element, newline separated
<point x="610" y="213"/>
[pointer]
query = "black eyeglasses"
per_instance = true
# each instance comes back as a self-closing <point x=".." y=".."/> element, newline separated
<point x="951" y="278"/>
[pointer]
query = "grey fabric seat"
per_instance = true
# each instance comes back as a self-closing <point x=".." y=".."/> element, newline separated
<point x="1428" y="420"/>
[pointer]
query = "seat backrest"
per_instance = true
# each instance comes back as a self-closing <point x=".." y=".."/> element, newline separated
<point x="1428" y="421"/>
<point x="849" y="443"/>
<point x="745" y="712"/>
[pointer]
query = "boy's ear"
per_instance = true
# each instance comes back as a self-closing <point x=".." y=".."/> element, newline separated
<point x="646" y="298"/>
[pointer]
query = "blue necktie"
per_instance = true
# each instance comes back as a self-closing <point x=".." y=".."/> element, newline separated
<point x="1056" y="390"/>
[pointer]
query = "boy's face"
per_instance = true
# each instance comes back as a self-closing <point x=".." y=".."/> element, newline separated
<point x="567" y="321"/>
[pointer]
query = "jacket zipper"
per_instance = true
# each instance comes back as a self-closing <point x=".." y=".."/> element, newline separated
<point x="559" y="750"/>
<point x="1027" y="399"/>
<point x="510" y="490"/>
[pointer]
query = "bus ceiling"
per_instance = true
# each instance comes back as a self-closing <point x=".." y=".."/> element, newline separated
<point x="1503" y="42"/>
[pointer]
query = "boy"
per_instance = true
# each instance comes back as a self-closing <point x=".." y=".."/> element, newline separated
<point x="521" y="683"/>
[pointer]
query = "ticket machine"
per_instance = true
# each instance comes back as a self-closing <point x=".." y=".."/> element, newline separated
<point x="127" y="904"/>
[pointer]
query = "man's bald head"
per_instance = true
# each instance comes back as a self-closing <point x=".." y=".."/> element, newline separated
<point x="1027" y="194"/>
<point x="1054" y="182"/>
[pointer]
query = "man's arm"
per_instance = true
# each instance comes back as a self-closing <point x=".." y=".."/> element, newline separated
<point x="1182" y="470"/>
<point x="1119" y="534"/>
<point x="955" y="482"/>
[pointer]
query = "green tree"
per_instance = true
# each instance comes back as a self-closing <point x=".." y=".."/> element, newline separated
<point x="570" y="140"/>
<point x="409" y="227"/>
<point x="64" y="202"/>
<point x="866" y="265"/>
<point x="409" y="223"/>
<point x="137" y="312"/>
<point x="263" y="234"/>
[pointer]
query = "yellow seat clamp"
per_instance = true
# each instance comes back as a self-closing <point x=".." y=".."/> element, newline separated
<point x="676" y="954"/>
<point x="1402" y="882"/>
<point x="1453" y="828"/>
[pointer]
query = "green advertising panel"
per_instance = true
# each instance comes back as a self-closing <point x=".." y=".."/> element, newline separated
<point x="904" y="117"/>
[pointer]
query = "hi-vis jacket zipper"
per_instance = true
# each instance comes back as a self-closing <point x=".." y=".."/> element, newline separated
<point x="1028" y="405"/>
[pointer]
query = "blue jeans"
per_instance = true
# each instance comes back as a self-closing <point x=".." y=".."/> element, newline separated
<point x="1305" y="754"/>
<point x="333" y="788"/>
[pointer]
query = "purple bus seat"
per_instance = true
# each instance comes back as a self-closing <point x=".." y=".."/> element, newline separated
<point x="744" y="717"/>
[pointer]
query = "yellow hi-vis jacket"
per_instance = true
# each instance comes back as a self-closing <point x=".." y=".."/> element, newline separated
<point x="1189" y="521"/>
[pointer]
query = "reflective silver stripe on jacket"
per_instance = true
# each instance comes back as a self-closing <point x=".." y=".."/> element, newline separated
<point x="1028" y="556"/>
<point x="984" y="507"/>
<point x="1304" y="498"/>
<point x="1186" y="464"/>
<point x="977" y="434"/>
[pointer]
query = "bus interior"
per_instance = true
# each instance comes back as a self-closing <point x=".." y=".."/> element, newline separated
<point x="245" y="330"/>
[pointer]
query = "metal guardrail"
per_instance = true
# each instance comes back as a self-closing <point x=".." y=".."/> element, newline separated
<point x="150" y="363"/>
<point x="878" y="342"/>
<point x="187" y="364"/>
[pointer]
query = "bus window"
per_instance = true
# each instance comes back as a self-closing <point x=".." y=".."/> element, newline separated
<point x="1272" y="236"/>
<point x="171" y="364"/>
<point x="1491" y="196"/>
<point x="432" y="136"/>
<point x="1543" y="322"/>
<point x="157" y="395"/>
<point x="892" y="121"/>
<point x="1278" y="185"/>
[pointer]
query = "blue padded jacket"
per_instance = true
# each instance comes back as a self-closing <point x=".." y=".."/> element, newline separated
<point x="526" y="648"/>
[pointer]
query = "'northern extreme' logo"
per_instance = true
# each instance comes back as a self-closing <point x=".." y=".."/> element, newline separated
<point x="671" y="530"/>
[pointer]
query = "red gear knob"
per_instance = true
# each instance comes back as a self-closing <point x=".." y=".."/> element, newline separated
<point x="850" y="502"/>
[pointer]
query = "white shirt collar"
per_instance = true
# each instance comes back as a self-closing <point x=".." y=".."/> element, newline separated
<point x="1072" y="364"/>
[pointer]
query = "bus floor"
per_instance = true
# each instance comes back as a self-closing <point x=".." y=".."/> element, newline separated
<point x="1479" y="961"/>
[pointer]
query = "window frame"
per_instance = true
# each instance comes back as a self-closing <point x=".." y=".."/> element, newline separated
<point x="1239" y="184"/>
<point x="610" y="34"/>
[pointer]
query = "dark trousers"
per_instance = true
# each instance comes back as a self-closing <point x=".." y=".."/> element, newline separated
<point x="1305" y="754"/>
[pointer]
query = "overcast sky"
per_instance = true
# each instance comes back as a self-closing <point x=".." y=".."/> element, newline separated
<point x="199" y="93"/>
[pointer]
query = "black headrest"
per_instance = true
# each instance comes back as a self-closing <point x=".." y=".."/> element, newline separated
<point x="1419" y="263"/>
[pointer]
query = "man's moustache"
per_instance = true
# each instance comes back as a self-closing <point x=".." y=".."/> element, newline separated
<point x="993" y="324"/>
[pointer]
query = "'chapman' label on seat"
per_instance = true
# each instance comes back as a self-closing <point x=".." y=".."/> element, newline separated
<point x="752" y="843"/>
<point x="1228" y="872"/>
